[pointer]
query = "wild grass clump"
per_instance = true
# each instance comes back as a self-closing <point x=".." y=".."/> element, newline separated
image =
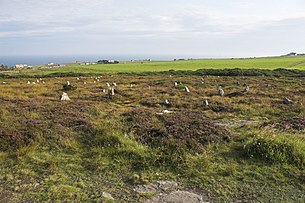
<point x="180" y="131"/>
<point x="280" y="149"/>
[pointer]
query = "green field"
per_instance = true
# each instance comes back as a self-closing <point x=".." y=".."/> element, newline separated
<point x="255" y="63"/>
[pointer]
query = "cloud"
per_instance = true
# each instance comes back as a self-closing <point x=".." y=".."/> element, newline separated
<point x="143" y="24"/>
<point x="107" y="17"/>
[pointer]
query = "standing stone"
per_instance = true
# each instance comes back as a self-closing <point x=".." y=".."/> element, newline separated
<point x="111" y="91"/>
<point x="287" y="101"/>
<point x="64" y="97"/>
<point x="114" y="84"/>
<point x="166" y="101"/>
<point x="220" y="91"/>
<point x="205" y="102"/>
<point x="68" y="83"/>
<point x="28" y="82"/>
<point x="107" y="84"/>
<point x="176" y="84"/>
<point x="186" y="89"/>
<point x="246" y="88"/>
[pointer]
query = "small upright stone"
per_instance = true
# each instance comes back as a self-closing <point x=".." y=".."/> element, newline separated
<point x="287" y="101"/>
<point x="246" y="88"/>
<point x="68" y="83"/>
<point x="186" y="89"/>
<point x="111" y="91"/>
<point x="64" y="97"/>
<point x="205" y="102"/>
<point x="28" y="82"/>
<point x="114" y="84"/>
<point x="107" y="84"/>
<point x="166" y="101"/>
<point x="220" y="91"/>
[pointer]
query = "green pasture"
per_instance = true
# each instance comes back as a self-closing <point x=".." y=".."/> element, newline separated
<point x="157" y="66"/>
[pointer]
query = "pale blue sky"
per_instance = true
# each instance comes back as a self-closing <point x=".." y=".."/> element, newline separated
<point x="192" y="28"/>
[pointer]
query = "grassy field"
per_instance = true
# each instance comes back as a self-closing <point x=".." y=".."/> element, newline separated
<point x="242" y="147"/>
<point x="257" y="63"/>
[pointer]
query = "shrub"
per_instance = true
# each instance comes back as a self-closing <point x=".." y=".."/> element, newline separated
<point x="180" y="131"/>
<point x="67" y="88"/>
<point x="277" y="150"/>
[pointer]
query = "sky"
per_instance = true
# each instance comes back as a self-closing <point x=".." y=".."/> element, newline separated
<point x="192" y="28"/>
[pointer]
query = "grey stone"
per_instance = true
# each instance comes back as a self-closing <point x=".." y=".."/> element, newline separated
<point x="157" y="187"/>
<point x="107" y="195"/>
<point x="64" y="97"/>
<point x="220" y="91"/>
<point x="186" y="89"/>
<point x="287" y="101"/>
<point x="177" y="197"/>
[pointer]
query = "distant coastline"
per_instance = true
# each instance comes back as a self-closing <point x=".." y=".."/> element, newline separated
<point x="11" y="61"/>
<point x="41" y="60"/>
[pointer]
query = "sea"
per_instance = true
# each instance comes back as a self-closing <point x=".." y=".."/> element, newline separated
<point x="11" y="61"/>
